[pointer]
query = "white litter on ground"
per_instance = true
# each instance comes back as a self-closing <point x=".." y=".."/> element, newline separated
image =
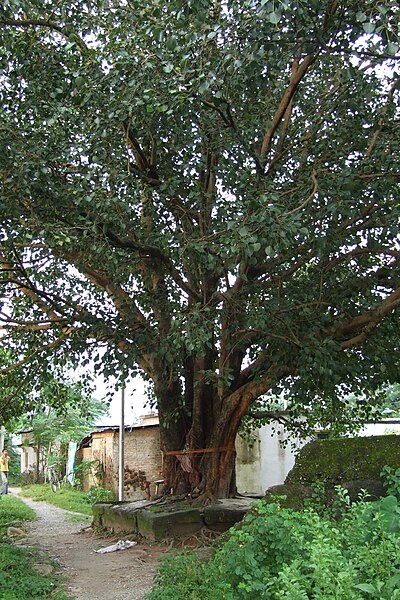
<point x="120" y="545"/>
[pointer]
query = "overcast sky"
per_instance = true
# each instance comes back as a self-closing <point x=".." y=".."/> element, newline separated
<point x="135" y="400"/>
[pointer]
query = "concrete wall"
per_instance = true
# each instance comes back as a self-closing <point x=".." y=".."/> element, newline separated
<point x="248" y="465"/>
<point x="28" y="459"/>
<point x="267" y="462"/>
<point x="385" y="427"/>
<point x="89" y="479"/>
<point x="278" y="453"/>
<point x="259" y="466"/>
<point x="28" y="454"/>
<point x="101" y="449"/>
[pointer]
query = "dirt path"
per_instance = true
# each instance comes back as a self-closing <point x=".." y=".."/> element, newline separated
<point x="122" y="575"/>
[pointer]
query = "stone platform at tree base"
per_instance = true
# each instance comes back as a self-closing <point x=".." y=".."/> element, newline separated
<point x="175" y="519"/>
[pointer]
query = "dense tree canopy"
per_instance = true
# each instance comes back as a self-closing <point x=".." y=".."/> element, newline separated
<point x="207" y="192"/>
<point x="28" y="389"/>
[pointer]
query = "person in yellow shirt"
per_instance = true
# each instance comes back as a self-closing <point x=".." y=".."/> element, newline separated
<point x="4" y="469"/>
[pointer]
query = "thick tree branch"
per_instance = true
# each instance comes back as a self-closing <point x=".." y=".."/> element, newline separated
<point x="34" y="326"/>
<point x="361" y="252"/>
<point x="26" y="23"/>
<point x="363" y="325"/>
<point x="309" y="197"/>
<point x="153" y="253"/>
<point x="282" y="416"/>
<point x="120" y="298"/>
<point x="146" y="166"/>
<point x="242" y="397"/>
<point x="30" y="291"/>
<point x="382" y="119"/>
<point x="295" y="79"/>
<point x="40" y="350"/>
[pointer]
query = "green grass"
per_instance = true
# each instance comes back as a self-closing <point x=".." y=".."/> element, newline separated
<point x="18" y="578"/>
<point x="20" y="581"/>
<point x="13" y="512"/>
<point x="79" y="518"/>
<point x="66" y="497"/>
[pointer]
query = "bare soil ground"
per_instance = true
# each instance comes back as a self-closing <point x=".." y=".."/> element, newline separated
<point x="122" y="575"/>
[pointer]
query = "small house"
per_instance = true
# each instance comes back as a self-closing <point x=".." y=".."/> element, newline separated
<point x="32" y="457"/>
<point x="98" y="457"/>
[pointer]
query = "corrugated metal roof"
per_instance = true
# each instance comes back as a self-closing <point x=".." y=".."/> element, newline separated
<point x="103" y="428"/>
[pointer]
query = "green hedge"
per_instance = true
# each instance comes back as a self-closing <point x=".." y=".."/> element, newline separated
<point x="277" y="553"/>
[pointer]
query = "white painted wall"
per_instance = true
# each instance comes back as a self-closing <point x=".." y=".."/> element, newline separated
<point x="28" y="459"/>
<point x="268" y="462"/>
<point x="278" y="453"/>
<point x="248" y="466"/>
<point x="383" y="428"/>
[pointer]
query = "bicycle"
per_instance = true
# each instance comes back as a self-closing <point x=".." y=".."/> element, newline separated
<point x="53" y="478"/>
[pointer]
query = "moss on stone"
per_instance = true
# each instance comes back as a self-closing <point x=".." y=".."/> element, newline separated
<point x="291" y="496"/>
<point x="334" y="461"/>
<point x="170" y="507"/>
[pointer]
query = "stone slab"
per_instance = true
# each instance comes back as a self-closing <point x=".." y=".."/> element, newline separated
<point x="155" y="521"/>
<point x="222" y="516"/>
<point x="115" y="517"/>
<point x="162" y="525"/>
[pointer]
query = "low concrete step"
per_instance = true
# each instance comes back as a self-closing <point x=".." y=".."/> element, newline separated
<point x="170" y="518"/>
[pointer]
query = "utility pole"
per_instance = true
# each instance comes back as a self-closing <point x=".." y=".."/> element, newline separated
<point x="121" y="448"/>
<point x="2" y="436"/>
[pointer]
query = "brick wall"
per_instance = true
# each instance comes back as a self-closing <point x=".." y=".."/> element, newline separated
<point x="142" y="461"/>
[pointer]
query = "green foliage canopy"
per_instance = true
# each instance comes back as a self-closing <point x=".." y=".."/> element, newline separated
<point x="48" y="426"/>
<point x="209" y="192"/>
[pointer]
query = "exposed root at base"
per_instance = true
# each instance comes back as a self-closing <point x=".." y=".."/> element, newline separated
<point x="205" y="499"/>
<point x="204" y="538"/>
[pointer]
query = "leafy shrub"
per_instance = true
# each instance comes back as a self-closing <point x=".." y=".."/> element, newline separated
<point x="181" y="577"/>
<point x="391" y="480"/>
<point x="30" y="477"/>
<point x="277" y="553"/>
<point x="92" y="468"/>
<point x="99" y="494"/>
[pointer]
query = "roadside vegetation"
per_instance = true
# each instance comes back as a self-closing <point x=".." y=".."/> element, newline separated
<point x="67" y="497"/>
<point x="20" y="578"/>
<point x="13" y="513"/>
<point x="349" y="551"/>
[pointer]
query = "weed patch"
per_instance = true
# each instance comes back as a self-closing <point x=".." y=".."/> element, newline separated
<point x="18" y="578"/>
<point x="277" y="553"/>
<point x="13" y="512"/>
<point x="20" y="581"/>
<point x="66" y="498"/>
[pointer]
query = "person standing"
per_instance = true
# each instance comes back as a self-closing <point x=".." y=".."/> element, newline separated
<point x="4" y="469"/>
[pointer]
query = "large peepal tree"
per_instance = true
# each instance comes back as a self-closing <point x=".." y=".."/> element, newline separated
<point x="205" y="193"/>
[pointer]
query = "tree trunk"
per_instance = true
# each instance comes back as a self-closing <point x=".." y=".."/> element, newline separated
<point x="199" y="455"/>
<point x="219" y="473"/>
<point x="209" y="470"/>
<point x="174" y="428"/>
